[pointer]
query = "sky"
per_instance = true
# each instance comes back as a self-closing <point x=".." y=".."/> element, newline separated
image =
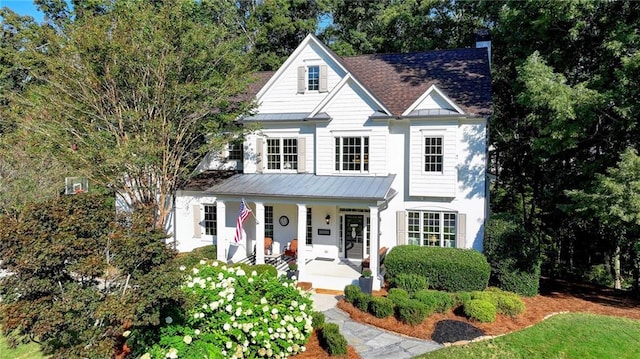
<point x="23" y="7"/>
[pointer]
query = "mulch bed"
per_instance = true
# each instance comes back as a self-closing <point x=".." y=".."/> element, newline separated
<point x="555" y="297"/>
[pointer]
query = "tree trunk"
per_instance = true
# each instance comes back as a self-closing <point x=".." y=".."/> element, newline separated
<point x="617" y="277"/>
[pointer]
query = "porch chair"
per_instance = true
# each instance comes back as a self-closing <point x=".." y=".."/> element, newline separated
<point x="292" y="249"/>
<point x="268" y="245"/>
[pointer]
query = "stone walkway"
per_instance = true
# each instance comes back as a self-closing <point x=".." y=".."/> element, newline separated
<point x="371" y="342"/>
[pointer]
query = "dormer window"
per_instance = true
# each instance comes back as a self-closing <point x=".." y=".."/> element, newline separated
<point x="313" y="78"/>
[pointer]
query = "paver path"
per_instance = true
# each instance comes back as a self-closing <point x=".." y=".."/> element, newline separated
<point x="374" y="343"/>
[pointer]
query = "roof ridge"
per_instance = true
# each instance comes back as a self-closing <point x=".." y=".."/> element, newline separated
<point x="414" y="52"/>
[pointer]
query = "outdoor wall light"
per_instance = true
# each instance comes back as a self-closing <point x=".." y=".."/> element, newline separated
<point x="327" y="219"/>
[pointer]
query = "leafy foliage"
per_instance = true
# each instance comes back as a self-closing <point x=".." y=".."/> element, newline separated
<point x="438" y="301"/>
<point x="412" y="311"/>
<point x="449" y="269"/>
<point x="137" y="109"/>
<point x="231" y="313"/>
<point x="410" y="282"/>
<point x="481" y="310"/>
<point x="332" y="340"/>
<point x="381" y="307"/>
<point x="93" y="278"/>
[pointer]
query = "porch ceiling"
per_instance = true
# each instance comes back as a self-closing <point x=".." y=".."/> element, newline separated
<point x="376" y="188"/>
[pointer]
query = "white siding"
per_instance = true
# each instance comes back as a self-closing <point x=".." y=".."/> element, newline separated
<point x="283" y="95"/>
<point x="278" y="131"/>
<point x="350" y="117"/>
<point x="433" y="184"/>
<point x="433" y="101"/>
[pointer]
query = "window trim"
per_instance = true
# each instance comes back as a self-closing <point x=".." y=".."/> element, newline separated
<point x="445" y="221"/>
<point x="315" y="86"/>
<point x="309" y="240"/>
<point x="282" y="154"/>
<point x="364" y="154"/>
<point x="210" y="226"/>
<point x="268" y="221"/>
<point x="432" y="156"/>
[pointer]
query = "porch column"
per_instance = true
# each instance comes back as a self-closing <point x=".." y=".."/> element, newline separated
<point x="221" y="240"/>
<point x="259" y="232"/>
<point x="302" y="237"/>
<point x="374" y="245"/>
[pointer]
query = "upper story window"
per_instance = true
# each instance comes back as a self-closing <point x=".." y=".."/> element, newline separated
<point x="210" y="219"/>
<point x="352" y="154"/>
<point x="235" y="150"/>
<point x="433" y="154"/>
<point x="436" y="229"/>
<point x="313" y="82"/>
<point x="282" y="153"/>
<point x="312" y="78"/>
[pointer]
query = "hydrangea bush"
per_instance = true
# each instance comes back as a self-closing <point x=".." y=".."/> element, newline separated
<point x="234" y="314"/>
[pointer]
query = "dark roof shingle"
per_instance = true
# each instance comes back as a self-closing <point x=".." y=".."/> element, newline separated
<point x="398" y="80"/>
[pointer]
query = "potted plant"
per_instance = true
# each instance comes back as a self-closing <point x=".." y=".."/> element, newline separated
<point x="366" y="281"/>
<point x="292" y="271"/>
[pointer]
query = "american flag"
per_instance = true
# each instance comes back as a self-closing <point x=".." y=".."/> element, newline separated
<point x="245" y="211"/>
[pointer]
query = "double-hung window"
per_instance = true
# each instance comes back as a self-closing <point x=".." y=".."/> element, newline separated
<point x="282" y="153"/>
<point x="309" y="227"/>
<point x="234" y="150"/>
<point x="268" y="221"/>
<point x="313" y="78"/>
<point x="433" y="154"/>
<point x="210" y="219"/>
<point x="436" y="229"/>
<point x="352" y="154"/>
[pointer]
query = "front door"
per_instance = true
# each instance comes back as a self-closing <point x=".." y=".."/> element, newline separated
<point x="352" y="233"/>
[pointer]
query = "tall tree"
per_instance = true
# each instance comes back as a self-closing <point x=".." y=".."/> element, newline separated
<point x="614" y="198"/>
<point x="134" y="95"/>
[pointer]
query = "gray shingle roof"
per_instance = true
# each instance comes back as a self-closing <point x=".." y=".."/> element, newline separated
<point x="398" y="80"/>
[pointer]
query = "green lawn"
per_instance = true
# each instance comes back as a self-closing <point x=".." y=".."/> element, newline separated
<point x="29" y="351"/>
<point x="575" y="335"/>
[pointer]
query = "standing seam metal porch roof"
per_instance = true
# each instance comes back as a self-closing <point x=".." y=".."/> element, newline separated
<point x="376" y="188"/>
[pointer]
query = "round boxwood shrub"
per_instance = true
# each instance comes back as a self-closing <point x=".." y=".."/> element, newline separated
<point x="519" y="281"/>
<point x="332" y="340"/>
<point x="440" y="302"/>
<point x="265" y="269"/>
<point x="480" y="310"/>
<point x="362" y="301"/>
<point x="381" y="307"/>
<point x="410" y="282"/>
<point x="411" y="311"/>
<point x="461" y="297"/>
<point x="506" y="303"/>
<point x="447" y="269"/>
<point x="351" y="293"/>
<point x="232" y="313"/>
<point x="397" y="294"/>
<point x="317" y="320"/>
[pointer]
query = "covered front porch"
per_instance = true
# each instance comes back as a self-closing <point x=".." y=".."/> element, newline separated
<point x="325" y="224"/>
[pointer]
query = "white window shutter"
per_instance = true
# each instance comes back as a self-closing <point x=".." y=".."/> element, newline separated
<point x="461" y="236"/>
<point x="302" y="159"/>
<point x="197" y="228"/>
<point x="401" y="233"/>
<point x="259" y="145"/>
<point x="323" y="79"/>
<point x="302" y="83"/>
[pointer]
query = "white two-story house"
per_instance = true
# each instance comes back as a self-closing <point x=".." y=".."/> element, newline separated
<point x="353" y="154"/>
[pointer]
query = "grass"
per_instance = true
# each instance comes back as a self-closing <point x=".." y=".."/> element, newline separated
<point x="26" y="351"/>
<point x="575" y="335"/>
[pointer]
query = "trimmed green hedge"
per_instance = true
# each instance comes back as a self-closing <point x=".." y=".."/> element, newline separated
<point x="317" y="320"/>
<point x="270" y="270"/>
<point x="397" y="294"/>
<point x="480" y="310"/>
<point x="447" y="269"/>
<point x="351" y="293"/>
<point x="412" y="311"/>
<point x="506" y="303"/>
<point x="410" y="282"/>
<point x="440" y="302"/>
<point x="332" y="340"/>
<point x="381" y="307"/>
